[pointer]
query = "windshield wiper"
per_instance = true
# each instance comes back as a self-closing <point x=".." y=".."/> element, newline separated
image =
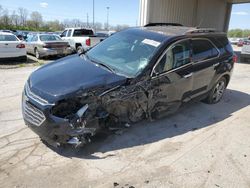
<point x="106" y="66"/>
<point x="100" y="64"/>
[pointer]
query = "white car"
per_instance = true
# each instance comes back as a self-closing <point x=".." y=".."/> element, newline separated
<point x="245" y="52"/>
<point x="234" y="41"/>
<point x="11" y="48"/>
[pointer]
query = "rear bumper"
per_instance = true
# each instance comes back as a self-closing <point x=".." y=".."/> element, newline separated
<point x="19" y="58"/>
<point x="54" y="52"/>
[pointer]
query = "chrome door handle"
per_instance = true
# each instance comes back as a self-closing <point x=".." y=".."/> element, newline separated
<point x="188" y="75"/>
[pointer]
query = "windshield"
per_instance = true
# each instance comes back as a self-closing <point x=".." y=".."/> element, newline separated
<point x="126" y="53"/>
<point x="8" y="38"/>
<point x="49" y="38"/>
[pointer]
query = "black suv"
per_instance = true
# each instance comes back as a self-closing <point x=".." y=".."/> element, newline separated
<point x="139" y="73"/>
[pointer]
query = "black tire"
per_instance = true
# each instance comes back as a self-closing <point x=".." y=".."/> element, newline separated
<point x="37" y="54"/>
<point x="216" y="93"/>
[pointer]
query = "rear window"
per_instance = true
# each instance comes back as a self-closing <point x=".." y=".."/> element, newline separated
<point x="82" y="32"/>
<point x="203" y="50"/>
<point x="8" y="38"/>
<point x="49" y="38"/>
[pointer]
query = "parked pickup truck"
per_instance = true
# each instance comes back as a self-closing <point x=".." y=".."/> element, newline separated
<point x="80" y="38"/>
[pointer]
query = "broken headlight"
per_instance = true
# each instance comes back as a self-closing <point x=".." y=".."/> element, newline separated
<point x="67" y="108"/>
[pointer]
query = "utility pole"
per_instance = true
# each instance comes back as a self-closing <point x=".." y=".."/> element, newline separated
<point x="94" y="14"/>
<point x="108" y="18"/>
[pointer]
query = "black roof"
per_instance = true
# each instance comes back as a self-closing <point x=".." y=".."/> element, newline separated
<point x="179" y="30"/>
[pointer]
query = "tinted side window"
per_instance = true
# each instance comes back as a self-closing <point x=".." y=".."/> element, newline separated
<point x="177" y="56"/>
<point x="69" y="33"/>
<point x="203" y="50"/>
<point x="64" y="33"/>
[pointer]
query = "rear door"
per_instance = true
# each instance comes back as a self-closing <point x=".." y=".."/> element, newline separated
<point x="172" y="79"/>
<point x="8" y="46"/>
<point x="205" y="58"/>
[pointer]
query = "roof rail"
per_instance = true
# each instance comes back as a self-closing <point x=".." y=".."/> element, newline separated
<point x="162" y="24"/>
<point x="201" y="30"/>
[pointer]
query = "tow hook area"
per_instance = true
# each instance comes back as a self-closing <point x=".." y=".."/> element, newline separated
<point x="80" y="135"/>
<point x="75" y="142"/>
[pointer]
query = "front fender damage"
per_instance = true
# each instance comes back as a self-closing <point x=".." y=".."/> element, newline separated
<point x="91" y="112"/>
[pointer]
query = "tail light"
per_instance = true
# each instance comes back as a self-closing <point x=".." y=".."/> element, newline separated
<point x="88" y="43"/>
<point x="235" y="58"/>
<point x="20" y="46"/>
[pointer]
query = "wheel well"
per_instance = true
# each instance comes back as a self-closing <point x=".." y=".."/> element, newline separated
<point x="227" y="77"/>
<point x="77" y="45"/>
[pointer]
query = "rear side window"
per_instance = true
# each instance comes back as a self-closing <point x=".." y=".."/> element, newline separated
<point x="8" y="38"/>
<point x="82" y="32"/>
<point x="223" y="44"/>
<point x="203" y="50"/>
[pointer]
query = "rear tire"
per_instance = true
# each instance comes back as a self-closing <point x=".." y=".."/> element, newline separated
<point x="79" y="49"/>
<point x="216" y="93"/>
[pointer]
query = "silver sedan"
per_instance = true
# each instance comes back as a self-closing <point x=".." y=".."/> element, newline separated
<point x="44" y="45"/>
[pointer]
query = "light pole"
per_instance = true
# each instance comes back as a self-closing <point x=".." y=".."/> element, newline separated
<point x="108" y="18"/>
<point x="94" y="14"/>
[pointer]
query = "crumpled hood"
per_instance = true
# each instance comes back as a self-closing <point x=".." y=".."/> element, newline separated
<point x="61" y="78"/>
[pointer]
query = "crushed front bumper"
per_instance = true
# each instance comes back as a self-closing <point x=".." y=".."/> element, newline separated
<point x="53" y="130"/>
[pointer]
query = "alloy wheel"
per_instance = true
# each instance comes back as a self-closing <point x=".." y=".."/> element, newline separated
<point x="219" y="91"/>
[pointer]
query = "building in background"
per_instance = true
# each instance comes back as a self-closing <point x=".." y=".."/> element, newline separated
<point x="196" y="13"/>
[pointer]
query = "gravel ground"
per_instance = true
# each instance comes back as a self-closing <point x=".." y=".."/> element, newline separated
<point x="200" y="146"/>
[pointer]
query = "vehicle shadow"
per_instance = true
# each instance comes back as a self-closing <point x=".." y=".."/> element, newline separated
<point x="190" y="117"/>
<point x="16" y="62"/>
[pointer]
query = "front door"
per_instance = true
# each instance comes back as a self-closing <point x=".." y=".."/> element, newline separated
<point x="172" y="80"/>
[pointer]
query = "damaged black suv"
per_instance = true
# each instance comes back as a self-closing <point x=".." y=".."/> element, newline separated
<point x="139" y="73"/>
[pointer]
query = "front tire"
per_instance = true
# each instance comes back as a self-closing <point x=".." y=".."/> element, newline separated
<point x="216" y="93"/>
